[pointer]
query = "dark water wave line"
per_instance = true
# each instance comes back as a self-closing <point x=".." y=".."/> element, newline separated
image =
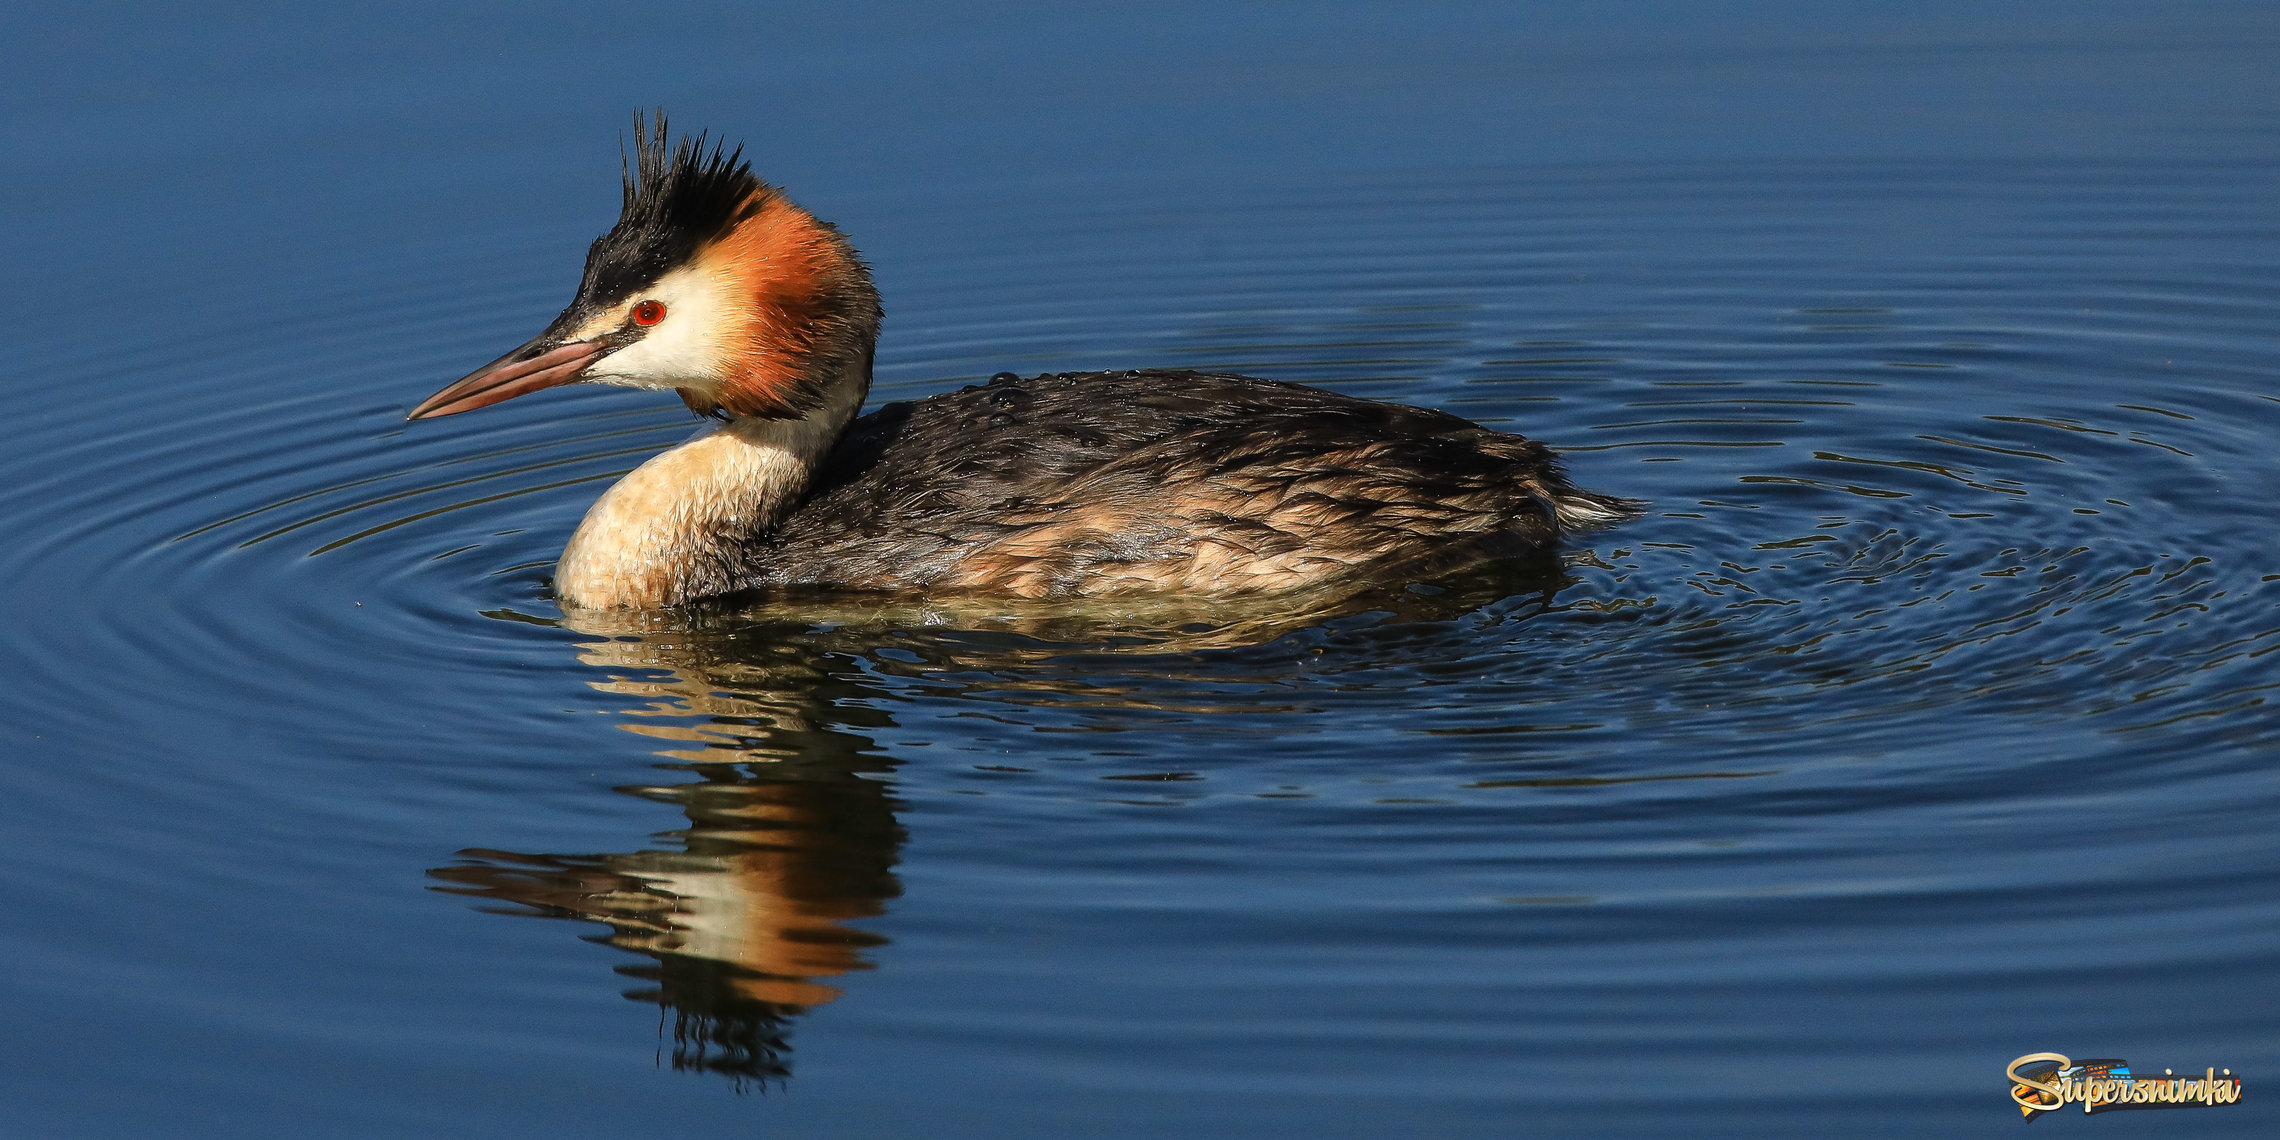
<point x="453" y="461"/>
<point x="461" y="505"/>
<point x="437" y="488"/>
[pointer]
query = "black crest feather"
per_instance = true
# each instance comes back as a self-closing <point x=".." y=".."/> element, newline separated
<point x="678" y="196"/>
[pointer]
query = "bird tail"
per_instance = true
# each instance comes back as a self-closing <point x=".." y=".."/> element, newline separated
<point x="1577" y="510"/>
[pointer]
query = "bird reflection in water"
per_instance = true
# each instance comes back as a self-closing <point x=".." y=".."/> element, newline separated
<point x="792" y="835"/>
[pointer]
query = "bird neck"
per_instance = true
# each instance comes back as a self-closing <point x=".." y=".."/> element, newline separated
<point x="676" y="528"/>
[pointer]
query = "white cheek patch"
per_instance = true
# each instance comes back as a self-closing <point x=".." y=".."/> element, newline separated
<point x="686" y="349"/>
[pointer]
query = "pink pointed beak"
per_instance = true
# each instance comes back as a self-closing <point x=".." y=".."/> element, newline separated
<point x="512" y="375"/>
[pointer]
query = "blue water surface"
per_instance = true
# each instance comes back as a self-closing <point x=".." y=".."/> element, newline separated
<point x="1925" y="721"/>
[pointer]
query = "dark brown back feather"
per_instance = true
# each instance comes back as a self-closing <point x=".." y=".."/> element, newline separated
<point x="1089" y="484"/>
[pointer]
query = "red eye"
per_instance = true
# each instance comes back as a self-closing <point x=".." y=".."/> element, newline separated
<point x="648" y="312"/>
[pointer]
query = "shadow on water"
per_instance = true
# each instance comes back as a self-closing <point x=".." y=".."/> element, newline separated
<point x="792" y="835"/>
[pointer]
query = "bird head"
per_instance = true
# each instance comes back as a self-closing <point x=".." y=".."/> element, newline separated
<point x="711" y="284"/>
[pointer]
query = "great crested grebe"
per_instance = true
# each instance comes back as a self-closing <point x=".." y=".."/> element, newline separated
<point x="716" y="286"/>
